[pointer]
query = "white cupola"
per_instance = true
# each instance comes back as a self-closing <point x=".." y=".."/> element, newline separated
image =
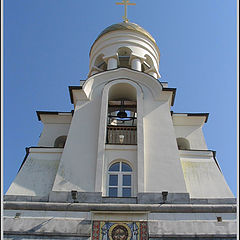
<point x="125" y="45"/>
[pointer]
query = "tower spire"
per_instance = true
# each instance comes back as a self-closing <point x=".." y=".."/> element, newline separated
<point x="125" y="3"/>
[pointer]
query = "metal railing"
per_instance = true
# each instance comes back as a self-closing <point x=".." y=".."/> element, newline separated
<point x="124" y="135"/>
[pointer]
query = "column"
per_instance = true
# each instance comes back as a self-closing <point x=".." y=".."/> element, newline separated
<point x="136" y="64"/>
<point x="111" y="63"/>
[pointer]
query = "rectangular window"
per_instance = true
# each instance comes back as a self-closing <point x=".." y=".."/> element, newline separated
<point x="112" y="192"/>
<point x="113" y="180"/>
<point x="126" y="192"/>
<point x="126" y="180"/>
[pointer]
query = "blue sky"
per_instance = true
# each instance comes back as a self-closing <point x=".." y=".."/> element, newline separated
<point x="46" y="49"/>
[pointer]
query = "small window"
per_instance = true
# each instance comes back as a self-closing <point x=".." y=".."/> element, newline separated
<point x="120" y="180"/>
<point x="60" y="142"/>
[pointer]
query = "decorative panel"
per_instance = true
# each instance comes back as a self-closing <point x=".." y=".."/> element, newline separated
<point x="119" y="230"/>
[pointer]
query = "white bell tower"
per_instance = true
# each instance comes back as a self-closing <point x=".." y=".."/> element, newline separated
<point x="121" y="165"/>
<point x="127" y="119"/>
<point x="122" y="117"/>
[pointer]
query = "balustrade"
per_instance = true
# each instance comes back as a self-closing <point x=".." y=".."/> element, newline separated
<point x="115" y="135"/>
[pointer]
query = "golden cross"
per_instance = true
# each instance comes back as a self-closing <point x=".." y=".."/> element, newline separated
<point x="125" y="3"/>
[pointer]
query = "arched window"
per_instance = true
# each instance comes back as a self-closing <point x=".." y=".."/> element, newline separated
<point x="124" y="57"/>
<point x="183" y="144"/>
<point x="119" y="180"/>
<point x="60" y="142"/>
<point x="100" y="63"/>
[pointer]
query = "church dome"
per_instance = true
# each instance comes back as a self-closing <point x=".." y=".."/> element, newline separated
<point x="126" y="45"/>
<point x="126" y="26"/>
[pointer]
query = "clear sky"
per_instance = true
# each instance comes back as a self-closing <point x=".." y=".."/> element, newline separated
<point x="46" y="49"/>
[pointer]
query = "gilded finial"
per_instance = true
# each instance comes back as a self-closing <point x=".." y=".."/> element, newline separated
<point x="125" y="3"/>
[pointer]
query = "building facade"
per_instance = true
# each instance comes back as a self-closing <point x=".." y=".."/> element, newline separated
<point x="122" y="165"/>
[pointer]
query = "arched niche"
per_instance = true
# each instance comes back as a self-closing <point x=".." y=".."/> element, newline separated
<point x="183" y="144"/>
<point x="60" y="142"/>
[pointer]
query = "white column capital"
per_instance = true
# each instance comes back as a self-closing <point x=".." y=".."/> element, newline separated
<point x="136" y="56"/>
<point x="115" y="56"/>
<point x="112" y="61"/>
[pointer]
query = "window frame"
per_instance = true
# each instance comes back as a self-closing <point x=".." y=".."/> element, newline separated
<point x="120" y="175"/>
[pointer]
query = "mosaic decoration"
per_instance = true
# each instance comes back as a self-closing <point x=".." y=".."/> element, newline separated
<point x="119" y="230"/>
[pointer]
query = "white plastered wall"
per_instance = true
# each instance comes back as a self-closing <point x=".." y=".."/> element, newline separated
<point x="202" y="175"/>
<point x="78" y="163"/>
<point x="163" y="168"/>
<point x="37" y="175"/>
<point x="193" y="134"/>
<point x="55" y="125"/>
<point x="51" y="132"/>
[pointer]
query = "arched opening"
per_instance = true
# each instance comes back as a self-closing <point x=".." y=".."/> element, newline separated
<point x="183" y="144"/>
<point x="124" y="57"/>
<point x="120" y="180"/>
<point x="60" y="142"/>
<point x="122" y="115"/>
<point x="100" y="63"/>
<point x="147" y="64"/>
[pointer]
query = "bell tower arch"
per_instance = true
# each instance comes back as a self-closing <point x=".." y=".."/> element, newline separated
<point x="121" y="124"/>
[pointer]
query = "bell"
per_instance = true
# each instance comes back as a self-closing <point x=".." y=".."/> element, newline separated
<point x="122" y="114"/>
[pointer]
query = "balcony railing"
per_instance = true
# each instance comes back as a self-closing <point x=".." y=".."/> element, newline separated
<point x="128" y="135"/>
